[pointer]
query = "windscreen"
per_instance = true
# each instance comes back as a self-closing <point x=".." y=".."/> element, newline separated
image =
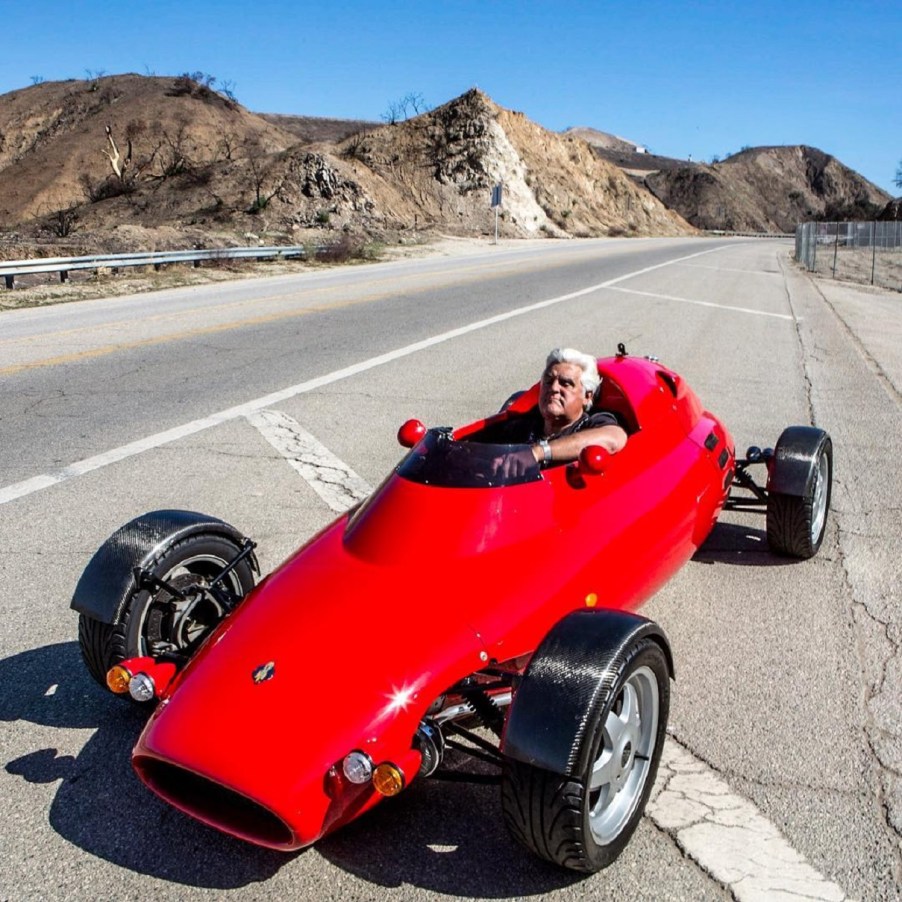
<point x="441" y="461"/>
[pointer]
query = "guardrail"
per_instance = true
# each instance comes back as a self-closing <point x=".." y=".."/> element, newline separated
<point x="9" y="269"/>
<point x="735" y="234"/>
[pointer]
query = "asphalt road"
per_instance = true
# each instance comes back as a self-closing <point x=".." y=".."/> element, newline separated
<point x="789" y="675"/>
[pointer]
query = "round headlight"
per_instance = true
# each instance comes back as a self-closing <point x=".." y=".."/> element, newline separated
<point x="358" y="767"/>
<point x="141" y="687"/>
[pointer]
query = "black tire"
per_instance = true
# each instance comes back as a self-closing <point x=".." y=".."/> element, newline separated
<point x="151" y="618"/>
<point x="796" y="524"/>
<point x="582" y="823"/>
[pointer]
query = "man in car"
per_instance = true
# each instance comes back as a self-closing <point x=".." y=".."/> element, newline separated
<point x="562" y="426"/>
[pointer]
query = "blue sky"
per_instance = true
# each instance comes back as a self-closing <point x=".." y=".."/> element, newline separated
<point x="683" y="78"/>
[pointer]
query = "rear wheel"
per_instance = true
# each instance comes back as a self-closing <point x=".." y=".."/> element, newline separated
<point x="796" y="524"/>
<point x="584" y="821"/>
<point x="155" y="621"/>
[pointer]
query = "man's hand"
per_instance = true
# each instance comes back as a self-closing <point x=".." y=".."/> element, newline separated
<point x="516" y="464"/>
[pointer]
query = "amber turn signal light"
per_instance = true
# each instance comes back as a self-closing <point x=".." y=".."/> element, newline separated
<point x="388" y="779"/>
<point x="117" y="679"/>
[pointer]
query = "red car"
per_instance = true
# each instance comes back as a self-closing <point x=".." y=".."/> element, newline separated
<point x="465" y="598"/>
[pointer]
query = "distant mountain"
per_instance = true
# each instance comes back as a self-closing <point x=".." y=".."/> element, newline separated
<point x="767" y="189"/>
<point x="601" y="140"/>
<point x="313" y="129"/>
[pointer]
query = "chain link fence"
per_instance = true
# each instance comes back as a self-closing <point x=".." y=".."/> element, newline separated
<point x="868" y="252"/>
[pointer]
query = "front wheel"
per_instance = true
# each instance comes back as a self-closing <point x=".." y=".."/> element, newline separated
<point x="155" y="621"/>
<point x="583" y="822"/>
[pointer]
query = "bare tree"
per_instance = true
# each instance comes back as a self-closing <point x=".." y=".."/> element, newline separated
<point x="227" y="87"/>
<point x="416" y="103"/>
<point x="62" y="222"/>
<point x="411" y="104"/>
<point x="228" y="146"/>
<point x="392" y="113"/>
<point x="117" y="162"/>
<point x="255" y="154"/>
<point x="174" y="153"/>
<point x="898" y="179"/>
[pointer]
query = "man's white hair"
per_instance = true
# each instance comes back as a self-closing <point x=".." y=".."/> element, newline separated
<point x="586" y="362"/>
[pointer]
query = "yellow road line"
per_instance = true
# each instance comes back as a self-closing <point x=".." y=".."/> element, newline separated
<point x="476" y="272"/>
<point x="178" y="336"/>
<point x="557" y="261"/>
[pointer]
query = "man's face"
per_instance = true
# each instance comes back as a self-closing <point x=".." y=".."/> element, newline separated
<point x="562" y="395"/>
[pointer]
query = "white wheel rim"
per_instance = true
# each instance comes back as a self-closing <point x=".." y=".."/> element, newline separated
<point x="819" y="498"/>
<point x="620" y="772"/>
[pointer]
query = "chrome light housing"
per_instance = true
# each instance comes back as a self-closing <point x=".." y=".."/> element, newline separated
<point x="357" y="767"/>
<point x="141" y="687"/>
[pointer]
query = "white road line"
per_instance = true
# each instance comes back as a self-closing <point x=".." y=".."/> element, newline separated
<point x="670" y="297"/>
<point x="746" y="272"/>
<point x="728" y="837"/>
<point x="88" y="465"/>
<point x="722" y="832"/>
<point x="332" y="479"/>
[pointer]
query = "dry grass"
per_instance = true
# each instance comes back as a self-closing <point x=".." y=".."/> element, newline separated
<point x="861" y="265"/>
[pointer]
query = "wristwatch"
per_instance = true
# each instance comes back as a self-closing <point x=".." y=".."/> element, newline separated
<point x="545" y="445"/>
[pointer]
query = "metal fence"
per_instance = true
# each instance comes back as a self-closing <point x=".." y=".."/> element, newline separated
<point x="9" y="269"/>
<point x="868" y="252"/>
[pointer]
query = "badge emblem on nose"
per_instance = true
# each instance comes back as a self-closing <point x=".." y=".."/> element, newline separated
<point x="264" y="672"/>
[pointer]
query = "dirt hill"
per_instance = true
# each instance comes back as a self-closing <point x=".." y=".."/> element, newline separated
<point x="439" y="169"/>
<point x="132" y="162"/>
<point x="194" y="167"/>
<point x="54" y="150"/>
<point x="767" y="189"/>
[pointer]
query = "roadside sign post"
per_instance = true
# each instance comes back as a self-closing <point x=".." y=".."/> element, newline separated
<point x="496" y="203"/>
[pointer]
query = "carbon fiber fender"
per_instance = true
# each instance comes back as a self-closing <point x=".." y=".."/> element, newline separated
<point x="109" y="579"/>
<point x="568" y="679"/>
<point x="795" y="460"/>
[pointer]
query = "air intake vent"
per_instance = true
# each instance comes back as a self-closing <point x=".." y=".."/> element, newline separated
<point x="215" y="804"/>
<point x="669" y="381"/>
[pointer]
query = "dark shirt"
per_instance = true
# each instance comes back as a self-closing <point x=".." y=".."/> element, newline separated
<point x="529" y="428"/>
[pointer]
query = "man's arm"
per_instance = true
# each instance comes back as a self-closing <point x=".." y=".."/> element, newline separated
<point x="611" y="438"/>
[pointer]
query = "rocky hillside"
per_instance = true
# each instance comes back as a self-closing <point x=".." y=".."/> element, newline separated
<point x="55" y="154"/>
<point x="133" y="162"/>
<point x="767" y="189"/>
<point x="892" y="211"/>
<point x="439" y="168"/>
<point x="183" y="164"/>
